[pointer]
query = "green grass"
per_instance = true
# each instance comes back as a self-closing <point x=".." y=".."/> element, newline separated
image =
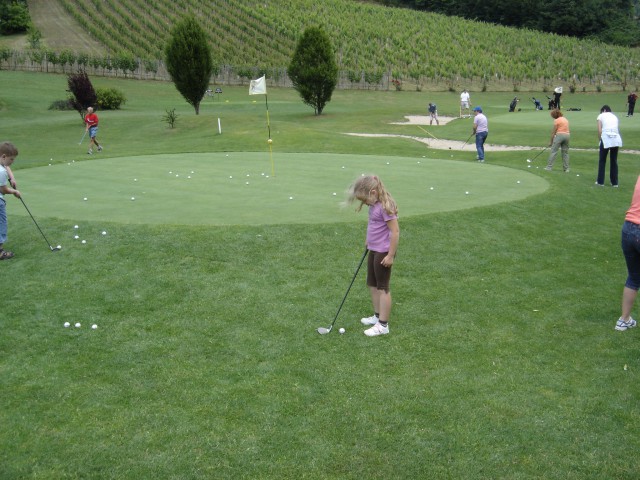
<point x="502" y="362"/>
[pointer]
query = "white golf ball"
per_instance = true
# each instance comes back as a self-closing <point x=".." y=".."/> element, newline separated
<point x="188" y="176"/>
<point x="59" y="247"/>
<point x="230" y="176"/>
<point x="334" y="194"/>
<point x="247" y="183"/>
<point x="75" y="226"/>
<point x="290" y="198"/>
<point x="67" y="324"/>
<point x="94" y="326"/>
<point x="76" y="237"/>
<point x="466" y="193"/>
<point x="342" y="330"/>
<point x="177" y="175"/>
<point x="78" y="325"/>
<point x="85" y="199"/>
<point x="84" y="241"/>
<point x="104" y="232"/>
<point x="518" y="181"/>
<point x="135" y="179"/>
<point x="387" y="163"/>
<point x="133" y="198"/>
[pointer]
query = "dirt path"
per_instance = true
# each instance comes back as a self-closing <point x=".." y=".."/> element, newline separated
<point x="59" y="30"/>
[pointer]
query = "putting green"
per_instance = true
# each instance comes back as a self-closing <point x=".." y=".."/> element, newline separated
<point x="239" y="188"/>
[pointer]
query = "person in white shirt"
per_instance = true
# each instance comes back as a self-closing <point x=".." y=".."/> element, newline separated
<point x="610" y="142"/>
<point x="465" y="103"/>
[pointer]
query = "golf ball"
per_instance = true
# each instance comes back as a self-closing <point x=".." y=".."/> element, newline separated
<point x="133" y="198"/>
<point x="247" y="183"/>
<point x="342" y="330"/>
<point x="269" y="141"/>
<point x="104" y="232"/>
<point x="518" y="181"/>
<point x="466" y="193"/>
<point x="84" y="241"/>
<point x="94" y="326"/>
<point x="85" y="199"/>
<point x="78" y="325"/>
<point x="59" y="247"/>
<point x="334" y="194"/>
<point x="135" y="179"/>
<point x="67" y="324"/>
<point x="290" y="198"/>
<point x="76" y="237"/>
<point x="75" y="226"/>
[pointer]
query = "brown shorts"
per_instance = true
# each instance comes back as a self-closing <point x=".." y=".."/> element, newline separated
<point x="378" y="276"/>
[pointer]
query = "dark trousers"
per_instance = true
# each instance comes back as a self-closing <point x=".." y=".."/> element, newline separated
<point x="632" y="106"/>
<point x="613" y="164"/>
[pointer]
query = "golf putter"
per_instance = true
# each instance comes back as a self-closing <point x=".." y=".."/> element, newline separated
<point x="324" y="331"/>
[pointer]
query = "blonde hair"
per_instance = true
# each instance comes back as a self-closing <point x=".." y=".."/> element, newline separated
<point x="8" y="149"/>
<point x="362" y="187"/>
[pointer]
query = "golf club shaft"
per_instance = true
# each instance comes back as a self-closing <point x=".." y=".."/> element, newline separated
<point x="364" y="255"/>
<point x="465" y="143"/>
<point x="36" y="223"/>
<point x="427" y="132"/>
<point x="539" y="153"/>
<point x="82" y="139"/>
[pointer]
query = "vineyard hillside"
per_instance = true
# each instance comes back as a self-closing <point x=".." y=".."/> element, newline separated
<point x="369" y="40"/>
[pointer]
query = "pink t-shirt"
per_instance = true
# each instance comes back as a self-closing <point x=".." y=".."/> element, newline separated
<point x="633" y="214"/>
<point x="378" y="233"/>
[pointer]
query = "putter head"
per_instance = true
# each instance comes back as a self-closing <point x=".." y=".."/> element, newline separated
<point x="324" y="331"/>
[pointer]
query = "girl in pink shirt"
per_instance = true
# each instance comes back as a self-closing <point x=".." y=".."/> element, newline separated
<point x="383" y="234"/>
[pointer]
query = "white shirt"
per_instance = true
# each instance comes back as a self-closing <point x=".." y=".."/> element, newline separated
<point x="465" y="97"/>
<point x="610" y="135"/>
<point x="4" y="178"/>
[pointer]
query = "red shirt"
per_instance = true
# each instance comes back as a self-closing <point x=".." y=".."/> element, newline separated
<point x="91" y="120"/>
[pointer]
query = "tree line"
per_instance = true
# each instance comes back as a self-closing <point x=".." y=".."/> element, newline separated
<point x="613" y="21"/>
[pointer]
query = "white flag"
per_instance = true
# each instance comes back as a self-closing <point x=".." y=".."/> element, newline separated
<point x="258" y="87"/>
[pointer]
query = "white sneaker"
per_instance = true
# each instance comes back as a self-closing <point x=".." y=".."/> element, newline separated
<point x="372" y="320"/>
<point x="90" y="152"/>
<point x="100" y="148"/>
<point x="621" y="325"/>
<point x="376" y="330"/>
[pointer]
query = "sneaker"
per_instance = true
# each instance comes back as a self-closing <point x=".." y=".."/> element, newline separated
<point x="90" y="152"/>
<point x="614" y="186"/>
<point x="548" y="169"/>
<point x="599" y="184"/>
<point x="621" y="325"/>
<point x="376" y="330"/>
<point x="567" y="170"/>
<point x="372" y="320"/>
<point x="99" y="148"/>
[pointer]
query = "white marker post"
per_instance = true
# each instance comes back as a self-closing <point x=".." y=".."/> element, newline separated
<point x="219" y="127"/>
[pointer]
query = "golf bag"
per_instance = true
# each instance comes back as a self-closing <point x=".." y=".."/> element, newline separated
<point x="537" y="103"/>
<point x="513" y="104"/>
<point x="552" y="103"/>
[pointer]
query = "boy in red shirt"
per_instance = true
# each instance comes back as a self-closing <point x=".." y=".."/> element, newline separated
<point x="91" y="119"/>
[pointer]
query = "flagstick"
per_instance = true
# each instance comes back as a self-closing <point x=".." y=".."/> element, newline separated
<point x="266" y="102"/>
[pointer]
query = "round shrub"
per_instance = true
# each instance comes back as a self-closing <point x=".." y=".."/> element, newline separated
<point x="110" y="98"/>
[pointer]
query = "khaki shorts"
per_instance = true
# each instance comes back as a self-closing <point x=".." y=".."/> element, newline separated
<point x="378" y="276"/>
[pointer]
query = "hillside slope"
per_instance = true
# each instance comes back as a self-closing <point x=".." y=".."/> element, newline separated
<point x="60" y="30"/>
<point x="368" y="39"/>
